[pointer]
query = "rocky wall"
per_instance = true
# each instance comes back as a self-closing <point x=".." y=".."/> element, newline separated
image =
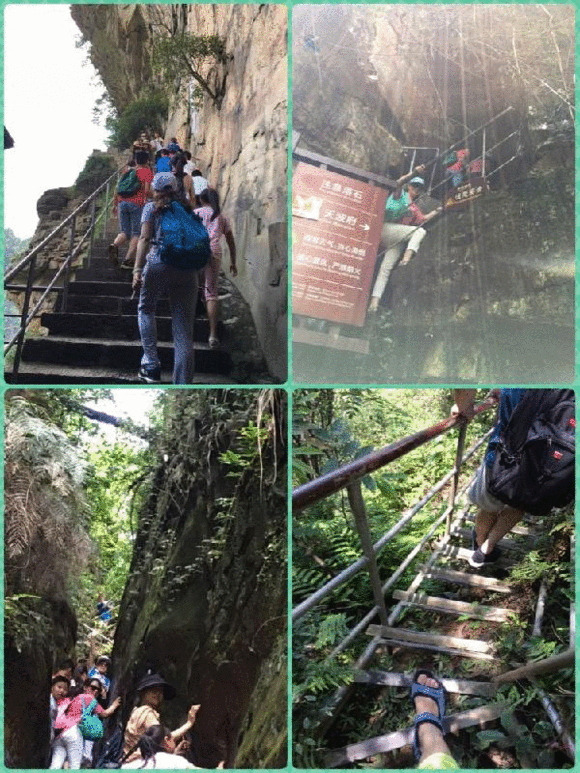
<point x="205" y="602"/>
<point x="240" y="145"/>
<point x="29" y="656"/>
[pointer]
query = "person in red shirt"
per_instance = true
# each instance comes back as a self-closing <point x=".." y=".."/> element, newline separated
<point x="69" y="743"/>
<point x="129" y="209"/>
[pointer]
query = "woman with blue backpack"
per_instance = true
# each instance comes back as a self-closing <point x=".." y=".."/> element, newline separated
<point x="78" y="723"/>
<point x="172" y="248"/>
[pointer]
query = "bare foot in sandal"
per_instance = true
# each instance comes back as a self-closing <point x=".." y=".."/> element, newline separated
<point x="435" y="753"/>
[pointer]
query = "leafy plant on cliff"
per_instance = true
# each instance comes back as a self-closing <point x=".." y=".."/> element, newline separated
<point x="45" y="514"/>
<point x="182" y="55"/>
<point x="146" y="113"/>
<point x="97" y="169"/>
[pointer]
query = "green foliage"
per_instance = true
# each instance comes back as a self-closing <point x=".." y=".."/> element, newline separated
<point x="246" y="449"/>
<point x="182" y="56"/>
<point x="147" y="113"/>
<point x="14" y="247"/>
<point x="97" y="169"/>
<point x="45" y="513"/>
<point x="312" y="674"/>
<point x="27" y="620"/>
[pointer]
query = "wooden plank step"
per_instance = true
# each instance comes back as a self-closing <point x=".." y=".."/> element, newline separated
<point x="475" y="610"/>
<point x="506" y="543"/>
<point x="409" y="645"/>
<point x="458" y="686"/>
<point x="523" y="529"/>
<point x="463" y="578"/>
<point x="437" y="639"/>
<point x="391" y="741"/>
<point x="463" y="554"/>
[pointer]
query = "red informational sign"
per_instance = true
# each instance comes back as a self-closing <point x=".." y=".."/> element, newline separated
<point x="336" y="230"/>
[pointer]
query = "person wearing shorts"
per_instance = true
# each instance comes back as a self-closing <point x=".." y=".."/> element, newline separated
<point x="217" y="226"/>
<point x="129" y="209"/>
<point x="494" y="518"/>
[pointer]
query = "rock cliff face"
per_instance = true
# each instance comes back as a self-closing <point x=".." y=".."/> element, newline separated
<point x="205" y="602"/>
<point x="28" y="667"/>
<point x="241" y="147"/>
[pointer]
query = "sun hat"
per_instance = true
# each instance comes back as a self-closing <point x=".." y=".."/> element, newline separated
<point x="156" y="680"/>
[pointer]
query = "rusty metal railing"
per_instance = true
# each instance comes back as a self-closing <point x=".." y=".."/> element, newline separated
<point x="29" y="262"/>
<point x="349" y="476"/>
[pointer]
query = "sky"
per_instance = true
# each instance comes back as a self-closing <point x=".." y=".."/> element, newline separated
<point x="48" y="100"/>
<point x="134" y="404"/>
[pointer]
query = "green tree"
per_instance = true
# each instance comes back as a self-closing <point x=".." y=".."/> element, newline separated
<point x="14" y="247"/>
<point x="146" y="113"/>
<point x="182" y="55"/>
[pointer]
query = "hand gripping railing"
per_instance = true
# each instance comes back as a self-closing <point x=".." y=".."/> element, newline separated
<point x="29" y="261"/>
<point x="349" y="476"/>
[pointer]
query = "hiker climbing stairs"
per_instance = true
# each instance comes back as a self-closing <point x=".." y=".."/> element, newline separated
<point x="93" y="335"/>
<point x="447" y="566"/>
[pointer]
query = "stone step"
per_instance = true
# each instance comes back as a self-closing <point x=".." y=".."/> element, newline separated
<point x="116" y="354"/>
<point x="119" y="289"/>
<point x="103" y="304"/>
<point x="110" y="326"/>
<point x="45" y="373"/>
<point x="102" y="273"/>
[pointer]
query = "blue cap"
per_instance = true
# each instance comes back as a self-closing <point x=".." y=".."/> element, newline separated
<point x="417" y="181"/>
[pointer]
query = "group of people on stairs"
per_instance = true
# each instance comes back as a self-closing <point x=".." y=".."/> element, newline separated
<point x="142" y="201"/>
<point x="76" y="712"/>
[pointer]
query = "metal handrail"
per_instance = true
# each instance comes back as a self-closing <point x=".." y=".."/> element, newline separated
<point x="351" y="474"/>
<point x="29" y="261"/>
<point x="333" y="481"/>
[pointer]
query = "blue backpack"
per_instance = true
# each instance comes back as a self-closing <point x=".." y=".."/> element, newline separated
<point x="182" y="238"/>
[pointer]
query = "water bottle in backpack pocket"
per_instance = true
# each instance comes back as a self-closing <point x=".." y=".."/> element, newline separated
<point x="182" y="239"/>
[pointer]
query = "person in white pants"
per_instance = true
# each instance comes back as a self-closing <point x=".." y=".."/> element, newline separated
<point x="401" y="238"/>
<point x="69" y="745"/>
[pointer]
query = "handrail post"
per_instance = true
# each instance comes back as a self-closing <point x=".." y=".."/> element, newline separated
<point x="92" y="237"/>
<point x="455" y="480"/>
<point x="24" y="316"/>
<point x="67" y="274"/>
<point x="105" y="211"/>
<point x="357" y="504"/>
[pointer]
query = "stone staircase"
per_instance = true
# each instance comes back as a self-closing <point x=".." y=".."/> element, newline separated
<point x="96" y="340"/>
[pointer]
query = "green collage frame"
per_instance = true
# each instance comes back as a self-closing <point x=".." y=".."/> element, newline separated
<point x="290" y="385"/>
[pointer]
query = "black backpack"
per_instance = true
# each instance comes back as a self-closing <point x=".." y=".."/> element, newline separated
<point x="111" y="751"/>
<point x="533" y="468"/>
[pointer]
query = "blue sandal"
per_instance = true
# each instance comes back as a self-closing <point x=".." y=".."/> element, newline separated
<point x="435" y="693"/>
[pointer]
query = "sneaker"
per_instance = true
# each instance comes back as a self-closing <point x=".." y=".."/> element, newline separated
<point x="149" y="375"/>
<point x="479" y="559"/>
